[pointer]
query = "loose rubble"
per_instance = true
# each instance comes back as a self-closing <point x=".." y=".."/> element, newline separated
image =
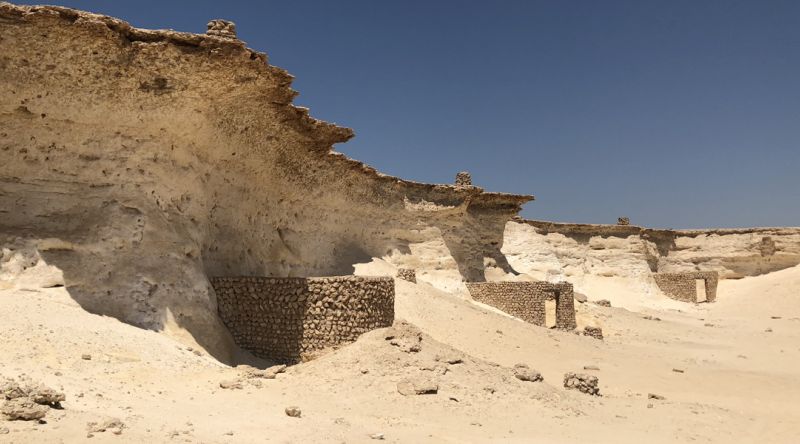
<point x="582" y="382"/>
<point x="595" y="332"/>
<point x="28" y="401"/>
<point x="113" y="425"/>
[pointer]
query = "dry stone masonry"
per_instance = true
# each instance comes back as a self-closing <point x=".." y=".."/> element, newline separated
<point x="407" y="274"/>
<point x="463" y="179"/>
<point x="526" y="300"/>
<point x="222" y="28"/>
<point x="287" y="319"/>
<point x="683" y="286"/>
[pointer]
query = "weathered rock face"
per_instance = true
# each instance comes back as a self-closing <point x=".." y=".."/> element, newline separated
<point x="139" y="162"/>
<point x="572" y="251"/>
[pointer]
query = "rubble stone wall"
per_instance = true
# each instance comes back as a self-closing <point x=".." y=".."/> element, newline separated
<point x="526" y="300"/>
<point x="286" y="319"/>
<point x="407" y="274"/>
<point x="682" y="287"/>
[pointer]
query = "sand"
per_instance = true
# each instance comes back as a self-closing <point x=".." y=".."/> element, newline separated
<point x="738" y="382"/>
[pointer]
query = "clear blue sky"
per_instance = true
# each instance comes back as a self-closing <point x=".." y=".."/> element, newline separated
<point x="675" y="113"/>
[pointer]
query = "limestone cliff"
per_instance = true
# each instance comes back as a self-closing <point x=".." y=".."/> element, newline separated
<point x="138" y="163"/>
<point x="571" y="251"/>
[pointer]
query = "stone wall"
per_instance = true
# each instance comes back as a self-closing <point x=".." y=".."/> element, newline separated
<point x="682" y="287"/>
<point x="285" y="319"/>
<point x="407" y="274"/>
<point x="526" y="300"/>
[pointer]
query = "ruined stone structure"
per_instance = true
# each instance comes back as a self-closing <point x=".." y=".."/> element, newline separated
<point x="407" y="274"/>
<point x="285" y="319"/>
<point x="463" y="179"/>
<point x="526" y="300"/>
<point x="623" y="221"/>
<point x="684" y="286"/>
<point x="222" y="28"/>
<point x="595" y="332"/>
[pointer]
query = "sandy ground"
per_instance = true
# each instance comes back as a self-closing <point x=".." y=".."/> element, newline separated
<point x="739" y="382"/>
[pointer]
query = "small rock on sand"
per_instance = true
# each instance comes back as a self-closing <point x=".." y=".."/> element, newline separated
<point x="419" y="386"/>
<point x="86" y="357"/>
<point x="524" y="373"/>
<point x="377" y="436"/>
<point x="113" y="425"/>
<point x="230" y="385"/>
<point x="294" y="412"/>
<point x="603" y="303"/>
<point x="655" y="396"/>
<point x="450" y="359"/>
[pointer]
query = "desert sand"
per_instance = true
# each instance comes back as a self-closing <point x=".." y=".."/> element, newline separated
<point x="736" y="381"/>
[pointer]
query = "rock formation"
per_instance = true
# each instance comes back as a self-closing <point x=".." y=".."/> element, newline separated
<point x="138" y="163"/>
<point x="551" y="250"/>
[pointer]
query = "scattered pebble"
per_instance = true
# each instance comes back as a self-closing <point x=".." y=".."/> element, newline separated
<point x="677" y="370"/>
<point x="294" y="412"/>
<point x="655" y="396"/>
<point x="86" y="357"/>
<point x="591" y="367"/>
<point x="377" y="436"/>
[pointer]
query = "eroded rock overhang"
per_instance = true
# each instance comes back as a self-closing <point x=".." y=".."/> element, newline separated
<point x="140" y="162"/>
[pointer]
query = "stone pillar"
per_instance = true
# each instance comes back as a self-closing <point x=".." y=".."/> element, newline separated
<point x="565" y="306"/>
<point x="463" y="179"/>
